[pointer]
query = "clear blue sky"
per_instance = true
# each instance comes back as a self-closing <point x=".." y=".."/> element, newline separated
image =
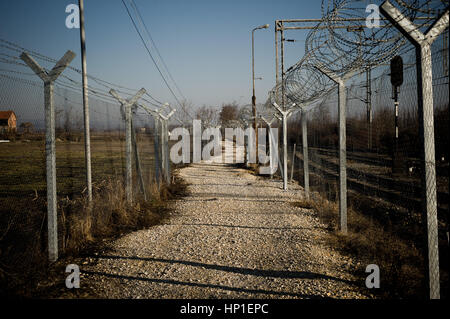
<point x="205" y="43"/>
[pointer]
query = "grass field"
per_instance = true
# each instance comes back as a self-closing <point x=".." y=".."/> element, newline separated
<point x="22" y="164"/>
<point x="23" y="201"/>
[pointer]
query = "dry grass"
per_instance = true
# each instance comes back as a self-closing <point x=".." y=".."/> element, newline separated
<point x="81" y="228"/>
<point x="400" y="262"/>
<point x="305" y="203"/>
<point x="23" y="209"/>
<point x="108" y="215"/>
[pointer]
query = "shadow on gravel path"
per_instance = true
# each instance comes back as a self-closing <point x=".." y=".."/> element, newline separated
<point x="238" y="270"/>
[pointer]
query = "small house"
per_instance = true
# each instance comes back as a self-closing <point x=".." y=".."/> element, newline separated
<point x="8" y="121"/>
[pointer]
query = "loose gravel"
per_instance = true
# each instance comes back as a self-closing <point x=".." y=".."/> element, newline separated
<point x="236" y="235"/>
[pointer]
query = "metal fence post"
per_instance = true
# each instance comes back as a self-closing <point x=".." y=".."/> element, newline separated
<point x="163" y="150"/>
<point x="280" y="167"/>
<point x="305" y="153"/>
<point x="128" y="154"/>
<point x="246" y="152"/>
<point x="285" y="168"/>
<point x="270" y="152"/>
<point x="166" y="151"/>
<point x="285" y="115"/>
<point x="293" y="162"/>
<point x="162" y="121"/>
<point x="50" y="147"/>
<point x="342" y="158"/>
<point x="278" y="149"/>
<point x="425" y="107"/>
<point x="169" y="172"/>
<point x="137" y="161"/>
<point x="271" y="144"/>
<point x="156" y="150"/>
<point x="342" y="96"/>
<point x="127" y="104"/>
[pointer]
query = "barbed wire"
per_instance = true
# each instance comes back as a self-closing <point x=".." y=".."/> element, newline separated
<point x="341" y="44"/>
<point x="107" y="85"/>
<point x="100" y="88"/>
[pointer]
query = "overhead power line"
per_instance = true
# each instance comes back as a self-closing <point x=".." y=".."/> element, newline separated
<point x="150" y="54"/>
<point x="156" y="48"/>
<point x="14" y="60"/>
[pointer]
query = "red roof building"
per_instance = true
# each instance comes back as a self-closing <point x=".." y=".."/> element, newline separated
<point x="8" y="121"/>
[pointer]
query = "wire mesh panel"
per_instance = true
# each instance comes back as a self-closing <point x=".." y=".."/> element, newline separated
<point x="389" y="197"/>
<point x="392" y="155"/>
<point x="23" y="187"/>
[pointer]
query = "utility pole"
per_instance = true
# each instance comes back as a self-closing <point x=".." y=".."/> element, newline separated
<point x="255" y="121"/>
<point x="283" y="101"/>
<point x="276" y="59"/>
<point x="276" y="62"/>
<point x="87" y="133"/>
<point x="283" y="108"/>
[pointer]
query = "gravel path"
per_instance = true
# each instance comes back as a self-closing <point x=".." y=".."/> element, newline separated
<point x="235" y="236"/>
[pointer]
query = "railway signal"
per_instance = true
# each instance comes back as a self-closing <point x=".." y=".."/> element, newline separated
<point x="396" y="81"/>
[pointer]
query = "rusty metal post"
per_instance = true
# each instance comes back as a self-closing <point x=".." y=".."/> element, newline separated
<point x="50" y="147"/>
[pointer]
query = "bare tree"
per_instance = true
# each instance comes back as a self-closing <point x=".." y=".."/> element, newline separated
<point x="27" y="127"/>
<point x="208" y="115"/>
<point x="228" y="114"/>
<point x="184" y="115"/>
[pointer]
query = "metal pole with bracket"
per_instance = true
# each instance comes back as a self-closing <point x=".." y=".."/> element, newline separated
<point x="422" y="42"/>
<point x="50" y="147"/>
<point x="126" y="114"/>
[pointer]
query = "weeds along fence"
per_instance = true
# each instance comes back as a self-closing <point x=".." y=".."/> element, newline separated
<point x="23" y="185"/>
<point x="383" y="180"/>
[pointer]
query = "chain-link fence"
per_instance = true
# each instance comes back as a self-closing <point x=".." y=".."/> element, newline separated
<point x="383" y="172"/>
<point x="23" y="157"/>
